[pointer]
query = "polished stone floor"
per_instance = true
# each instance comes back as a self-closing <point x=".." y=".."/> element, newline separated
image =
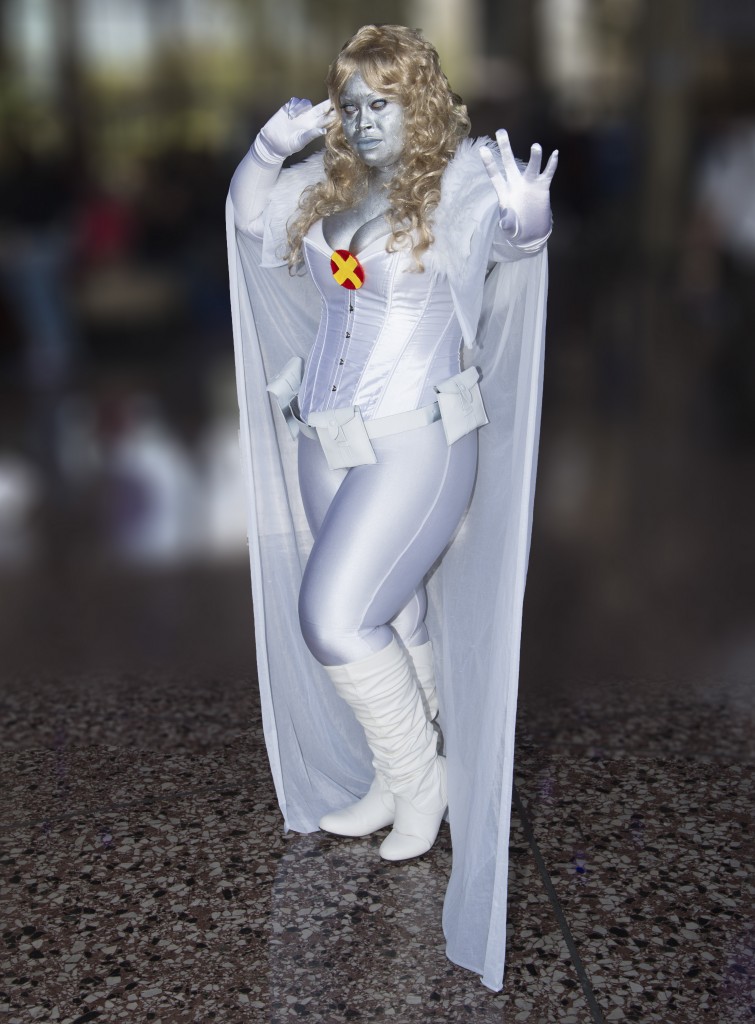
<point x="146" y="877"/>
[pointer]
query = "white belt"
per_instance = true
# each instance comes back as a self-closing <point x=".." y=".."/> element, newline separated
<point x="345" y="437"/>
<point x="383" y="426"/>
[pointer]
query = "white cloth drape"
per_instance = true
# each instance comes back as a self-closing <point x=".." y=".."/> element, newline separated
<point x="317" y="751"/>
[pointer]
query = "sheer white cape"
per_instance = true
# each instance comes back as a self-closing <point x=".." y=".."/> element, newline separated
<point x="317" y="752"/>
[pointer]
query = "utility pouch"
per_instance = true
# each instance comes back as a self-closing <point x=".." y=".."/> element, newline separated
<point x="343" y="437"/>
<point x="460" y="402"/>
<point x="285" y="387"/>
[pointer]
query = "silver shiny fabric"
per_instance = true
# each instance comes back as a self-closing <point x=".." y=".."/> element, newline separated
<point x="378" y="530"/>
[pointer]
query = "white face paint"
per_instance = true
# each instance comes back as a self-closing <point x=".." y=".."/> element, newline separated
<point x="372" y="123"/>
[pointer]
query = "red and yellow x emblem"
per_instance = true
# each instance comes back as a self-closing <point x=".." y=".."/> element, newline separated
<point x="346" y="268"/>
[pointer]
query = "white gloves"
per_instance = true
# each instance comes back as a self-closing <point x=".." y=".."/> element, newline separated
<point x="522" y="195"/>
<point x="289" y="130"/>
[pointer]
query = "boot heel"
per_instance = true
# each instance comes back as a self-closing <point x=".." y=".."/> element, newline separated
<point x="383" y="694"/>
<point x="414" y="830"/>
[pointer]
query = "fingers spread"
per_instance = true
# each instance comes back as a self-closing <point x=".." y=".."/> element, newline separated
<point x="494" y="174"/>
<point x="532" y="169"/>
<point x="490" y="165"/>
<point x="550" y="167"/>
<point x="507" y="155"/>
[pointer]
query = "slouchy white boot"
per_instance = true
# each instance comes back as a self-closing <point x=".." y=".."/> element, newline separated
<point x="422" y="659"/>
<point x="384" y="696"/>
<point x="375" y="810"/>
<point x="424" y="669"/>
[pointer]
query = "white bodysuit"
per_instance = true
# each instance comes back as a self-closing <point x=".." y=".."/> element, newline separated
<point x="378" y="528"/>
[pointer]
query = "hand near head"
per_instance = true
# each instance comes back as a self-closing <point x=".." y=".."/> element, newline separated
<point x="522" y="195"/>
<point x="290" y="129"/>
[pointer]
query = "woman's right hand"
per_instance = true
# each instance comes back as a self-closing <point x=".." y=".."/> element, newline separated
<point x="290" y="129"/>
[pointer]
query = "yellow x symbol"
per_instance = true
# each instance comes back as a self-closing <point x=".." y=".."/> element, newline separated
<point x="345" y="266"/>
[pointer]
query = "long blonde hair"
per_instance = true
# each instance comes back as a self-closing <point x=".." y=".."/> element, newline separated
<point x="402" y="65"/>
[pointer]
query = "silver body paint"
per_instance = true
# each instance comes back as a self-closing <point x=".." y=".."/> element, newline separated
<point x="373" y="125"/>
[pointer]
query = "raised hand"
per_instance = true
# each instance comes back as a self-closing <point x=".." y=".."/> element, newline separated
<point x="522" y="195"/>
<point x="290" y="129"/>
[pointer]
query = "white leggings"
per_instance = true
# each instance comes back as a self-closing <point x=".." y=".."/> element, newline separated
<point x="378" y="530"/>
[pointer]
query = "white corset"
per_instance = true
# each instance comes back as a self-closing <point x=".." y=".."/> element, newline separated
<point x="381" y="346"/>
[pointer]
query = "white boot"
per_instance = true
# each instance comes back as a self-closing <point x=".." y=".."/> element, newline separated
<point x="375" y="810"/>
<point x="415" y="830"/>
<point x="383" y="694"/>
<point x="424" y="669"/>
<point x="422" y="659"/>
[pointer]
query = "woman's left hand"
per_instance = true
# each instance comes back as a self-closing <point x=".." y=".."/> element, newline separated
<point x="522" y="195"/>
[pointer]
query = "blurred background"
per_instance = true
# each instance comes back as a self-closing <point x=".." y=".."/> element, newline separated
<point x="122" y="537"/>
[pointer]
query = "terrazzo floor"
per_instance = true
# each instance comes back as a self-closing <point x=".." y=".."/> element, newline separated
<point x="146" y="877"/>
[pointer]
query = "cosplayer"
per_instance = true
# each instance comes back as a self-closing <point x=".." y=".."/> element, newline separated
<point x="357" y="277"/>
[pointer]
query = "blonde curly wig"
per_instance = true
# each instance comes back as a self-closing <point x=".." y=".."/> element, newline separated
<point x="402" y="65"/>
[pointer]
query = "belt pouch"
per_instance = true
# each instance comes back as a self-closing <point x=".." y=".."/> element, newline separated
<point x="285" y="387"/>
<point x="460" y="402"/>
<point x="343" y="437"/>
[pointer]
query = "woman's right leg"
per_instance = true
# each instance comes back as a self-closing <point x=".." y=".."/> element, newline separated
<point x="384" y="529"/>
<point x="319" y="485"/>
<point x="380" y="535"/>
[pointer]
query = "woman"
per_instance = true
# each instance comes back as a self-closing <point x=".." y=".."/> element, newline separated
<point x="397" y="227"/>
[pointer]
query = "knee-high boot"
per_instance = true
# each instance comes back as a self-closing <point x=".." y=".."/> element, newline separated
<point x="422" y="659"/>
<point x="377" y="808"/>
<point x="424" y="669"/>
<point x="384" y="696"/>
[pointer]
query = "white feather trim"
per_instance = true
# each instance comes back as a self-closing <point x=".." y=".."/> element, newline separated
<point x="466" y="200"/>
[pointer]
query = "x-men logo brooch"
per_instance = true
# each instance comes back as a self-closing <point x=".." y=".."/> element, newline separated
<point x="346" y="268"/>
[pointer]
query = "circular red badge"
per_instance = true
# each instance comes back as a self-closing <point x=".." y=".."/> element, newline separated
<point x="346" y="268"/>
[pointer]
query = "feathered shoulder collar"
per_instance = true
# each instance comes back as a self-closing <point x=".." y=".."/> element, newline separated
<point x="467" y="201"/>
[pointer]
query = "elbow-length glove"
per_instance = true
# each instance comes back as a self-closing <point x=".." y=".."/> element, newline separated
<point x="523" y="197"/>
<point x="288" y="130"/>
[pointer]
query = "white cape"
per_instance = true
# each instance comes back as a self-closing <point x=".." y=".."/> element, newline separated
<point x="317" y="751"/>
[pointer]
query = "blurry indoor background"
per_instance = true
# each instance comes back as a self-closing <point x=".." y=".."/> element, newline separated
<point x="122" y="537"/>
